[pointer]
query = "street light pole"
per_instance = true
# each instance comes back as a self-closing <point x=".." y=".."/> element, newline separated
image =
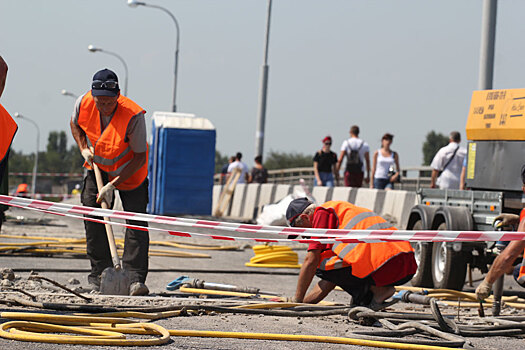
<point x="92" y="48"/>
<point x="68" y="93"/>
<point x="488" y="41"/>
<point x="263" y="89"/>
<point x="133" y="4"/>
<point x="35" y="167"/>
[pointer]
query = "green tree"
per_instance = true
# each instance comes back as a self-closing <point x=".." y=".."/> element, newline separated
<point x="434" y="141"/>
<point x="220" y="160"/>
<point x="283" y="160"/>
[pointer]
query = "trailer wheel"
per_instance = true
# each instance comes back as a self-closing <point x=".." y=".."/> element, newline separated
<point x="449" y="267"/>
<point x="423" y="255"/>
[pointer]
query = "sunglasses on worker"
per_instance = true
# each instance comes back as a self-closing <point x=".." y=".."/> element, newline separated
<point x="99" y="84"/>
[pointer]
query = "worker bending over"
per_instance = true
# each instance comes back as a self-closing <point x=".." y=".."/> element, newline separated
<point x="505" y="261"/>
<point x="367" y="271"/>
<point x="114" y="126"/>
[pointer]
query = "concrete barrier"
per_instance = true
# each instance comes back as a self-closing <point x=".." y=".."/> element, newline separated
<point x="237" y="205"/>
<point x="250" y="202"/>
<point x="281" y="191"/>
<point x="396" y="207"/>
<point x="216" y="194"/>
<point x="322" y="194"/>
<point x="266" y="195"/>
<point x="346" y="194"/>
<point x="370" y="198"/>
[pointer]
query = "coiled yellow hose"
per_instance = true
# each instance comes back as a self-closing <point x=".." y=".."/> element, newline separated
<point x="274" y="256"/>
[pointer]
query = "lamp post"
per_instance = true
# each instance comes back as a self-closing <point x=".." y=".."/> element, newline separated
<point x="263" y="88"/>
<point x="92" y="48"/>
<point x="35" y="167"/>
<point x="135" y="3"/>
<point x="68" y="93"/>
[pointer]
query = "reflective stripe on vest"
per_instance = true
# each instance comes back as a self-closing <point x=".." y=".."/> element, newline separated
<point x="112" y="151"/>
<point x="8" y="130"/>
<point x="365" y="258"/>
<point x="521" y="276"/>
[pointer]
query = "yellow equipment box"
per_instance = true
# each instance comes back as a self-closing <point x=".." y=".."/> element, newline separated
<point x="497" y="115"/>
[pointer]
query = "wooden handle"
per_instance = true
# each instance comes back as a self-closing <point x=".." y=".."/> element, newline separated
<point x="109" y="229"/>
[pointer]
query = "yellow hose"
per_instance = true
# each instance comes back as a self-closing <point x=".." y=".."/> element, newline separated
<point x="26" y="331"/>
<point x="227" y="293"/>
<point x="112" y="334"/>
<point x="274" y="256"/>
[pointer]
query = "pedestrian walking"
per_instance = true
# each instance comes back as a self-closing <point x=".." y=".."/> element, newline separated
<point x="245" y="176"/>
<point x="357" y="153"/>
<point x="448" y="163"/>
<point x="385" y="165"/>
<point x="259" y="173"/>
<point x="325" y="164"/>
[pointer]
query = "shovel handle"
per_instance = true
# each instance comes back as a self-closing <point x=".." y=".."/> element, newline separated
<point x="109" y="229"/>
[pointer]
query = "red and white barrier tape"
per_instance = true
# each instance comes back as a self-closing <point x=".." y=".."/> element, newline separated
<point x="325" y="235"/>
<point x="48" y="174"/>
<point x="47" y="195"/>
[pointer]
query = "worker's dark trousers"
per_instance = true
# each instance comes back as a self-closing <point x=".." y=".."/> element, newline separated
<point x="136" y="242"/>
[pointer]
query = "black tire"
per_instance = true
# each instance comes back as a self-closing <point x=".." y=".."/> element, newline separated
<point x="423" y="255"/>
<point x="449" y="268"/>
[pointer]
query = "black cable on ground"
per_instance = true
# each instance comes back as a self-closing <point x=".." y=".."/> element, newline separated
<point x="194" y="307"/>
<point x="184" y="271"/>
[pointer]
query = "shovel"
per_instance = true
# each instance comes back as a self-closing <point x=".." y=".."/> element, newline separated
<point x="114" y="280"/>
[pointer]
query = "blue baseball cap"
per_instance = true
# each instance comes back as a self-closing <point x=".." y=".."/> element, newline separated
<point x="296" y="208"/>
<point x="105" y="83"/>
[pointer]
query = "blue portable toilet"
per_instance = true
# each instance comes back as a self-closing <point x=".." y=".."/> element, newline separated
<point x="181" y="164"/>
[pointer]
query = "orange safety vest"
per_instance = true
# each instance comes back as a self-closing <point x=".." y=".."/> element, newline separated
<point x="8" y="130"/>
<point x="521" y="276"/>
<point x="112" y="150"/>
<point x="365" y="258"/>
<point x="22" y="188"/>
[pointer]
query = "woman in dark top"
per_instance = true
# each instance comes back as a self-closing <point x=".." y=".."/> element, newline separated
<point x="324" y="165"/>
<point x="259" y="174"/>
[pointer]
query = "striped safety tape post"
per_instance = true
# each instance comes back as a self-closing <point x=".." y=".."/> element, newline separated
<point x="322" y="235"/>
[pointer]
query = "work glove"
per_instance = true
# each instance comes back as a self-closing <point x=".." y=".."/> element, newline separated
<point x="106" y="193"/>
<point x="88" y="156"/>
<point x="483" y="290"/>
<point x="507" y="220"/>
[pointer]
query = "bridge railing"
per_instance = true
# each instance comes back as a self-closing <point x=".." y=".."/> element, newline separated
<point x="412" y="178"/>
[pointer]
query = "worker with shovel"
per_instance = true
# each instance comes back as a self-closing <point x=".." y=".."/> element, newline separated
<point x="366" y="271"/>
<point x="110" y="132"/>
<point x="8" y="130"/>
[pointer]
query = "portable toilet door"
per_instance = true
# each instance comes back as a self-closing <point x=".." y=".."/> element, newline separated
<point x="181" y="164"/>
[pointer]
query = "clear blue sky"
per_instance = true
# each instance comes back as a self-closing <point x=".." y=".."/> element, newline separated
<point x="404" y="67"/>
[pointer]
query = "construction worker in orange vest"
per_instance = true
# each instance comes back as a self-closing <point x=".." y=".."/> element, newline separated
<point x="504" y="263"/>
<point x="114" y="126"/>
<point x="8" y="130"/>
<point x="367" y="271"/>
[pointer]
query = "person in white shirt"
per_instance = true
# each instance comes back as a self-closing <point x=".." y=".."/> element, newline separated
<point x="358" y="154"/>
<point x="245" y="175"/>
<point x="449" y="161"/>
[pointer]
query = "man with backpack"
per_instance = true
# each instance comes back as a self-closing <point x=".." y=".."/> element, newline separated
<point x="357" y="153"/>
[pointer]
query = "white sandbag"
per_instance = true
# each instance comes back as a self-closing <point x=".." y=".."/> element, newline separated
<point x="275" y="214"/>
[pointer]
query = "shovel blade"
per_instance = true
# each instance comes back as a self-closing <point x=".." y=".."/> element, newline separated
<point x="114" y="282"/>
